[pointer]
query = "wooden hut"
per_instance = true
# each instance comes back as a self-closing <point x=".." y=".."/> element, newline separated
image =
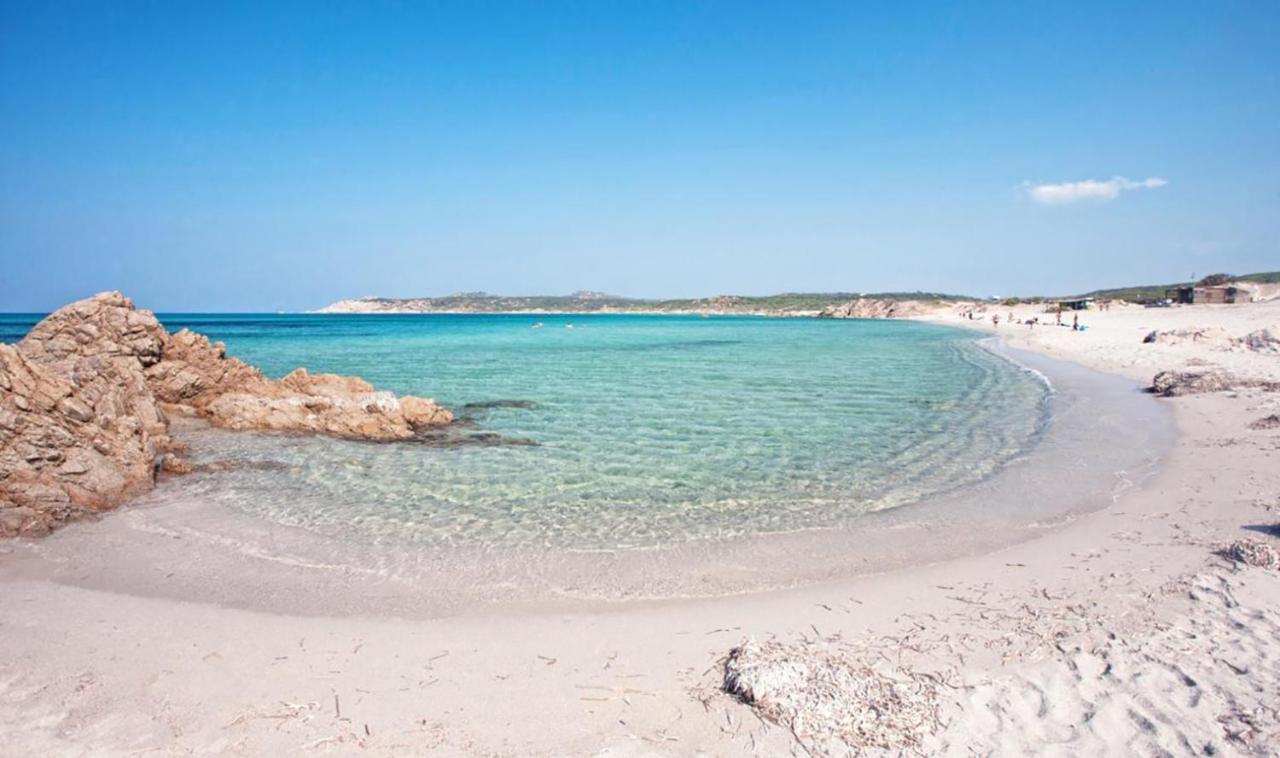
<point x="1221" y="294"/>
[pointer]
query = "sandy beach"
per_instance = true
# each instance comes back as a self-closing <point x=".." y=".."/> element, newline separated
<point x="1124" y="631"/>
<point x="622" y="380"/>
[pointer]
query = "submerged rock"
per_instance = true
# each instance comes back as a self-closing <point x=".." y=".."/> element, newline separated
<point x="236" y="464"/>
<point x="484" y="405"/>
<point x="84" y="399"/>
<point x="453" y="438"/>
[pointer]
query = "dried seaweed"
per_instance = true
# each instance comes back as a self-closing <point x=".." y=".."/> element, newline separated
<point x="831" y="696"/>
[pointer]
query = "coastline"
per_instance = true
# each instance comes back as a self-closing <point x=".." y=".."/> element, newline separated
<point x="1062" y="474"/>
<point x="618" y="681"/>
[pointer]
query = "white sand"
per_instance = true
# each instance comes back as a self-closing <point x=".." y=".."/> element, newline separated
<point x="1121" y="633"/>
<point x="1112" y="341"/>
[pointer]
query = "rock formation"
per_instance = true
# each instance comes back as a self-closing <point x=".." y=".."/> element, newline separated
<point x="874" y="308"/>
<point x="197" y="378"/>
<point x="84" y="398"/>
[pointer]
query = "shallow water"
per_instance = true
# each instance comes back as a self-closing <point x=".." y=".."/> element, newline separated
<point x="676" y="457"/>
<point x="649" y="430"/>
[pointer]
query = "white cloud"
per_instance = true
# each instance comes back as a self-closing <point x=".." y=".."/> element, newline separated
<point x="1089" y="189"/>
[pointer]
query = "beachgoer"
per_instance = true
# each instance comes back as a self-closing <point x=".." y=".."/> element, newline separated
<point x="1075" y="322"/>
<point x="995" y="319"/>
<point x="1059" y="315"/>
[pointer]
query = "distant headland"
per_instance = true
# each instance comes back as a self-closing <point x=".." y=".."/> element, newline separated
<point x="798" y="304"/>
<point x="786" y="304"/>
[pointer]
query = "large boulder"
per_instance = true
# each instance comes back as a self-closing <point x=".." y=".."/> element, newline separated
<point x="79" y="428"/>
<point x="84" y="397"/>
<point x="106" y="325"/>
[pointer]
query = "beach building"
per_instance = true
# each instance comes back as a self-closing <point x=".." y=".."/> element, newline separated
<point x="1225" y="293"/>
<point x="1076" y="304"/>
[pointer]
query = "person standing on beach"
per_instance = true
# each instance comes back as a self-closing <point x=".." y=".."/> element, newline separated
<point x="1075" y="322"/>
<point x="995" y="319"/>
<point x="1059" y="315"/>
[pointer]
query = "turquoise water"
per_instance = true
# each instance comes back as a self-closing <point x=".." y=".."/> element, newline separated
<point x="650" y="430"/>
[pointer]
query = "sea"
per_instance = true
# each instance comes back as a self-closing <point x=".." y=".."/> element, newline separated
<point x="606" y="431"/>
<point x="615" y="456"/>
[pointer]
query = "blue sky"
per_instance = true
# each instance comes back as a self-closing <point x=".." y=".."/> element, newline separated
<point x="227" y="157"/>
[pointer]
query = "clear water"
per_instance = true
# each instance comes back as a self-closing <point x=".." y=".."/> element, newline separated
<point x="650" y="430"/>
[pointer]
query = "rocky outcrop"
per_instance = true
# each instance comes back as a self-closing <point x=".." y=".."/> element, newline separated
<point x="79" y="428"/>
<point x="197" y="378"/>
<point x="196" y="370"/>
<point x="339" y="406"/>
<point x="84" y="398"/>
<point x="1177" y="383"/>
<point x="874" y="308"/>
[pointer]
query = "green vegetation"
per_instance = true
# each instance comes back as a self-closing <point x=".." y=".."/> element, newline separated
<point x="1214" y="280"/>
<point x="1150" y="292"/>
<point x="596" y="302"/>
<point x="780" y="304"/>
